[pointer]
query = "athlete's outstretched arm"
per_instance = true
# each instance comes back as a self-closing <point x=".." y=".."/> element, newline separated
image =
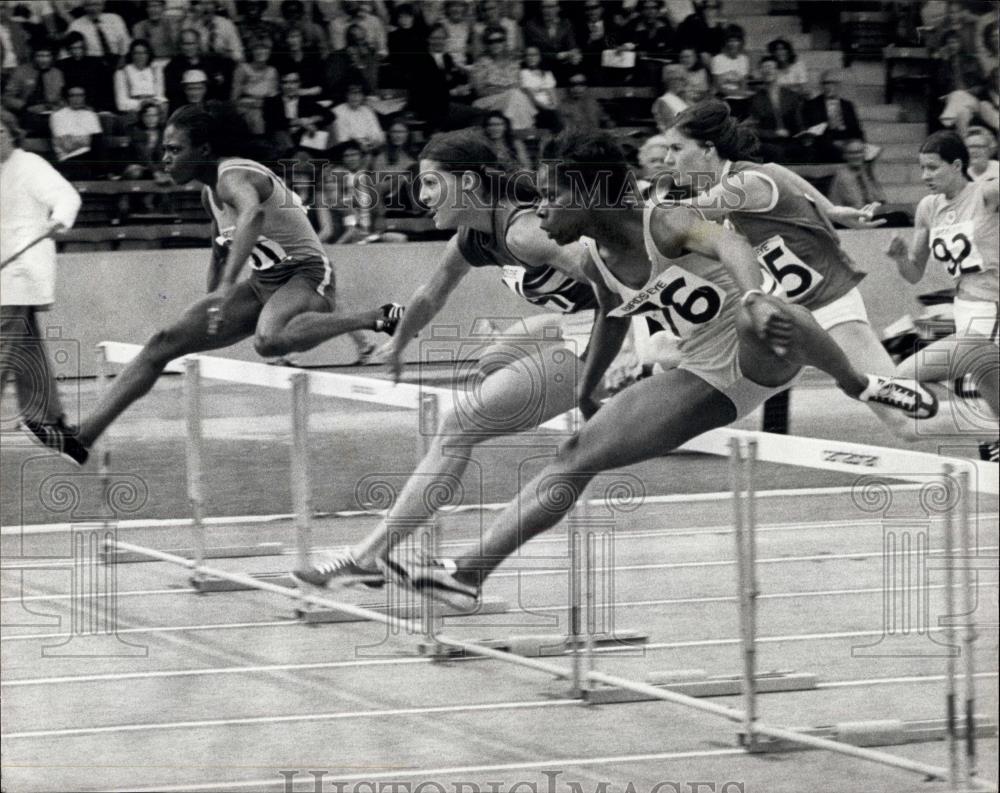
<point x="913" y="262"/>
<point x="426" y="302"/>
<point x="606" y="338"/>
<point x="735" y="192"/>
<point x="527" y="241"/>
<point x="218" y="256"/>
<point x="237" y="188"/>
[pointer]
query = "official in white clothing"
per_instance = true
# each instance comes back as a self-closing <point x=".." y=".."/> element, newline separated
<point x="34" y="199"/>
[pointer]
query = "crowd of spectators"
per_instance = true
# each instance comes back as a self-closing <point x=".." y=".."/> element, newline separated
<point x="359" y="83"/>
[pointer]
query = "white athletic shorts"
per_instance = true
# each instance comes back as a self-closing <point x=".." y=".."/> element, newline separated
<point x="848" y="308"/>
<point x="976" y="318"/>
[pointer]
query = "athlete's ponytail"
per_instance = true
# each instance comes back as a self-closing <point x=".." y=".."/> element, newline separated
<point x="712" y="122"/>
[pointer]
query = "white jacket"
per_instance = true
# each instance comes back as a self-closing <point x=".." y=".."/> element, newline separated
<point x="32" y="193"/>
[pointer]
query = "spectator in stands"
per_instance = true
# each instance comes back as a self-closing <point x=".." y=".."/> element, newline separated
<point x="35" y="89"/>
<point x="458" y="28"/>
<point x="361" y="59"/>
<point x="145" y="153"/>
<point x="395" y="171"/>
<point x="731" y="67"/>
<point x="349" y="195"/>
<point x="982" y="146"/>
<point x="989" y="50"/>
<point x="580" y="110"/>
<point x="699" y="79"/>
<point x="254" y="26"/>
<point x="407" y="39"/>
<point x="539" y="85"/>
<point x="988" y="110"/>
<point x="356" y="12"/>
<point x="791" y="71"/>
<point x="496" y="80"/>
<point x="705" y="31"/>
<point x="219" y="71"/>
<point x="554" y="38"/>
<point x="8" y="56"/>
<point x="594" y="35"/>
<point x="354" y="121"/>
<point x="438" y="87"/>
<point x="218" y="35"/>
<point x="159" y="30"/>
<point x="291" y="115"/>
<point x="16" y="19"/>
<point x="510" y="150"/>
<point x="105" y="35"/>
<point x="491" y="16"/>
<point x="940" y="18"/>
<point x="253" y="82"/>
<point x="77" y="136"/>
<point x="194" y="84"/>
<point x="674" y="99"/>
<point x="854" y="183"/>
<point x="837" y="113"/>
<point x="776" y="112"/>
<point x="89" y="71"/>
<point x="138" y="81"/>
<point x="294" y="58"/>
<point x="651" y="38"/>
<point x="959" y="78"/>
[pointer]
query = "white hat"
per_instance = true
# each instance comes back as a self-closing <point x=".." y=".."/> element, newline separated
<point x="194" y="76"/>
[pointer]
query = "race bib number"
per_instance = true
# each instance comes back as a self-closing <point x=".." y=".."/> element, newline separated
<point x="796" y="278"/>
<point x="684" y="300"/>
<point x="953" y="246"/>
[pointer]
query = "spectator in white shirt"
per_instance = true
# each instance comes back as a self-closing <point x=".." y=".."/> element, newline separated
<point x="791" y="71"/>
<point x="731" y="67"/>
<point x="218" y="34"/>
<point x="359" y="13"/>
<point x="104" y="34"/>
<point x="982" y="148"/>
<point x="138" y="81"/>
<point x="353" y="120"/>
<point x="76" y="135"/>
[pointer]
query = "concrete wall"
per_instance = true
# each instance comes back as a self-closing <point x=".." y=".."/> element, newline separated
<point x="125" y="296"/>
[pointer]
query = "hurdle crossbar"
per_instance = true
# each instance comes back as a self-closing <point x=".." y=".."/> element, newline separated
<point x="829" y="455"/>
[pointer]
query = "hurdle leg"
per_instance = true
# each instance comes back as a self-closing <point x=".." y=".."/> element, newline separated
<point x="104" y="449"/>
<point x="951" y="735"/>
<point x="301" y="490"/>
<point x="970" y="635"/>
<point x="427" y="425"/>
<point x="193" y="447"/>
<point x="739" y="474"/>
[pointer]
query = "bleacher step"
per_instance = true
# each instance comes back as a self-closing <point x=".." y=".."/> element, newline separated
<point x="761" y="28"/>
<point x="898" y="173"/>
<point x="898" y="153"/>
<point x="897" y="132"/>
<point x="884" y="113"/>
<point x="822" y="59"/>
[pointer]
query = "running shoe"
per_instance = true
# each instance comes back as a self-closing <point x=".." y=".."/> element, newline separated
<point x="989" y="451"/>
<point x="392" y="313"/>
<point x="338" y="568"/>
<point x="908" y="396"/>
<point x="437" y="578"/>
<point x="58" y="436"/>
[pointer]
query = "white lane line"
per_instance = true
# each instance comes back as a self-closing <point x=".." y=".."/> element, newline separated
<point x="292" y="718"/>
<point x="228" y="520"/>
<point x="820" y="557"/>
<point x="167" y="629"/>
<point x="888" y="681"/>
<point x="432" y="773"/>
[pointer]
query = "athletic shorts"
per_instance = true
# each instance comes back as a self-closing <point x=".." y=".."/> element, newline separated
<point x="317" y="273"/>
<point x="847" y="308"/>
<point x="976" y="318"/>
<point x="718" y="364"/>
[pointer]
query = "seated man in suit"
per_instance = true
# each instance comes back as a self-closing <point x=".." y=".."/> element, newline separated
<point x="837" y="114"/>
<point x="289" y="116"/>
<point x="439" y="89"/>
<point x="776" y="112"/>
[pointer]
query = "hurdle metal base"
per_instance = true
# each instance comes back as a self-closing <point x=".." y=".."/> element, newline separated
<point x="697" y="683"/>
<point x="533" y="646"/>
<point x="487" y="605"/>
<point x="222" y="552"/>
<point x="213" y="584"/>
<point x="887" y="732"/>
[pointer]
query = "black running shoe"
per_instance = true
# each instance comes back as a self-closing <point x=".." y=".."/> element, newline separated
<point x="392" y="313"/>
<point x="989" y="451"/>
<point x="59" y="437"/>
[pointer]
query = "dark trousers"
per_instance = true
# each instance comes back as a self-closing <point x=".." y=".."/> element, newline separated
<point x="23" y="359"/>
